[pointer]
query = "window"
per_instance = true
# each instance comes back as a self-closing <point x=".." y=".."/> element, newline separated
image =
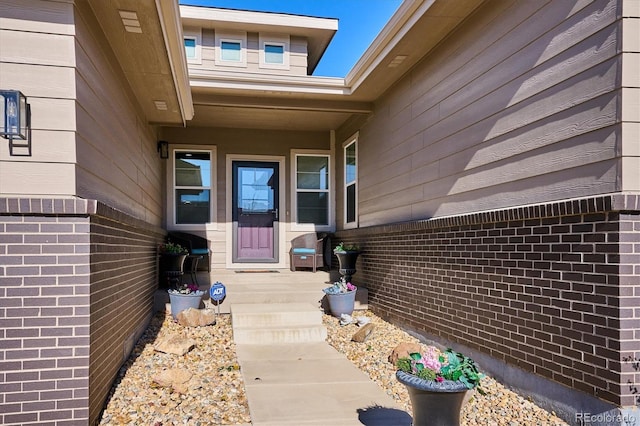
<point x="312" y="189"/>
<point x="190" y="47"/>
<point x="274" y="51"/>
<point x="231" y="51"/>
<point x="231" y="48"/>
<point x="350" y="183"/>
<point x="192" y="187"/>
<point x="274" y="54"/>
<point x="193" y="45"/>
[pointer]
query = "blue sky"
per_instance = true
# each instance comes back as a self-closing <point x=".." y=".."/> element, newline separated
<point x="360" y="21"/>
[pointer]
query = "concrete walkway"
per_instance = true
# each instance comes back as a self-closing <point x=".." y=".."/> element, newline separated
<point x="312" y="384"/>
<point x="292" y="375"/>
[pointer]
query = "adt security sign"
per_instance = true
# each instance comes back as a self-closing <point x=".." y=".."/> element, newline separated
<point x="217" y="291"/>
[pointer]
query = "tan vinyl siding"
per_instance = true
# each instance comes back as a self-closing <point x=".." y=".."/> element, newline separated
<point x="517" y="106"/>
<point x="297" y="55"/>
<point x="630" y="175"/>
<point x="114" y="144"/>
<point x="39" y="61"/>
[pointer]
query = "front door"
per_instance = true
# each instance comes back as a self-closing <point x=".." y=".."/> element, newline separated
<point x="255" y="211"/>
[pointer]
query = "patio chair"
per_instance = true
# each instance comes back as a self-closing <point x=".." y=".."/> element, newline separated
<point x="307" y="251"/>
<point x="197" y="246"/>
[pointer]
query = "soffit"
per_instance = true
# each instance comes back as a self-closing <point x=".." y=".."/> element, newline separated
<point x="417" y="27"/>
<point x="154" y="69"/>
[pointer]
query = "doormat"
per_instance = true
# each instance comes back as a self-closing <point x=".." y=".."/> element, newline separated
<point x="257" y="271"/>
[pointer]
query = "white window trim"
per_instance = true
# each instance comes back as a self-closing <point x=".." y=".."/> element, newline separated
<point x="197" y="36"/>
<point x="275" y="40"/>
<point x="295" y="226"/>
<point x="171" y="190"/>
<point x="354" y="224"/>
<point x="235" y="37"/>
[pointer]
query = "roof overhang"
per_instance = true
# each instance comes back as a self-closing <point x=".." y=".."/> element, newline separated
<point x="146" y="38"/>
<point x="225" y="99"/>
<point x="317" y="31"/>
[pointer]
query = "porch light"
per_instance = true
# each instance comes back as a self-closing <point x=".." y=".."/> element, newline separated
<point x="163" y="149"/>
<point x="16" y="120"/>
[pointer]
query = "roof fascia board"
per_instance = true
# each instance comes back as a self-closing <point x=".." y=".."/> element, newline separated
<point x="250" y="18"/>
<point x="288" y="103"/>
<point x="409" y="12"/>
<point x="169" y="13"/>
<point x="281" y="84"/>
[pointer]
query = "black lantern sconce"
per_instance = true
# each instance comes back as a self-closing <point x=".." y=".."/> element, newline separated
<point x="16" y="126"/>
<point x="163" y="149"/>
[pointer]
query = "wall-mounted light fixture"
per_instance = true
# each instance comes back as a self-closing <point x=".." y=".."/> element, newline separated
<point x="163" y="149"/>
<point x="16" y="126"/>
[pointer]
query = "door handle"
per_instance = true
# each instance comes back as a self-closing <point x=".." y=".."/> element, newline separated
<point x="276" y="214"/>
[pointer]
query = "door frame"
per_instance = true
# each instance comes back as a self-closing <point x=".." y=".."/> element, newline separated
<point x="281" y="249"/>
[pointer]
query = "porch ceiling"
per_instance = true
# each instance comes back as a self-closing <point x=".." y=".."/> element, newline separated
<point x="292" y="111"/>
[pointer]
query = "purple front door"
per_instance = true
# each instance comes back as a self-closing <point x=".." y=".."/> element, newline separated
<point x="255" y="211"/>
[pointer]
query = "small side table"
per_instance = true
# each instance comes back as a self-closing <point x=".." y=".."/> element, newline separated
<point x="193" y="267"/>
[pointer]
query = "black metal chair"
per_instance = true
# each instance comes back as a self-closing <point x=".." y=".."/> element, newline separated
<point x="197" y="246"/>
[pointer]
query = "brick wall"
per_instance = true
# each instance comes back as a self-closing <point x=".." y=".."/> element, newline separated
<point x="123" y="280"/>
<point x="552" y="288"/>
<point x="62" y="264"/>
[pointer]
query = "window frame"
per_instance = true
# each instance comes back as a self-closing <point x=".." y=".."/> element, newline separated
<point x="172" y="188"/>
<point x="193" y="34"/>
<point x="239" y="37"/>
<point x="295" y="226"/>
<point x="351" y="141"/>
<point x="266" y="39"/>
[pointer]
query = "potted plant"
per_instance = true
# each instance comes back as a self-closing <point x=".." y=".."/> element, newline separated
<point x="184" y="297"/>
<point x="172" y="258"/>
<point x="341" y="297"/>
<point x="437" y="382"/>
<point x="347" y="255"/>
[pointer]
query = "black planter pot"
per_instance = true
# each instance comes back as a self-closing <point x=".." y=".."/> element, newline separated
<point x="171" y="269"/>
<point x="434" y="403"/>
<point x="347" y="260"/>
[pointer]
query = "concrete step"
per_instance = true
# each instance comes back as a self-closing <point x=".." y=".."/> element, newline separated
<point x="265" y="288"/>
<point x="273" y="335"/>
<point x="275" y="314"/>
<point x="277" y="323"/>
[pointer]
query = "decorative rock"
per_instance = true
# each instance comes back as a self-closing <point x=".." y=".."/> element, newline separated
<point x="196" y="317"/>
<point x="176" y="345"/>
<point x="363" y="320"/>
<point x="363" y="333"/>
<point x="403" y="350"/>
<point x="174" y="378"/>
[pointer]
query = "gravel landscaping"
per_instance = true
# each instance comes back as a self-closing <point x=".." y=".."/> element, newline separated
<point x="215" y="393"/>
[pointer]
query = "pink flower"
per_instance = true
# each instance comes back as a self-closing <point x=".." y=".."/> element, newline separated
<point x="350" y="287"/>
<point x="439" y="379"/>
